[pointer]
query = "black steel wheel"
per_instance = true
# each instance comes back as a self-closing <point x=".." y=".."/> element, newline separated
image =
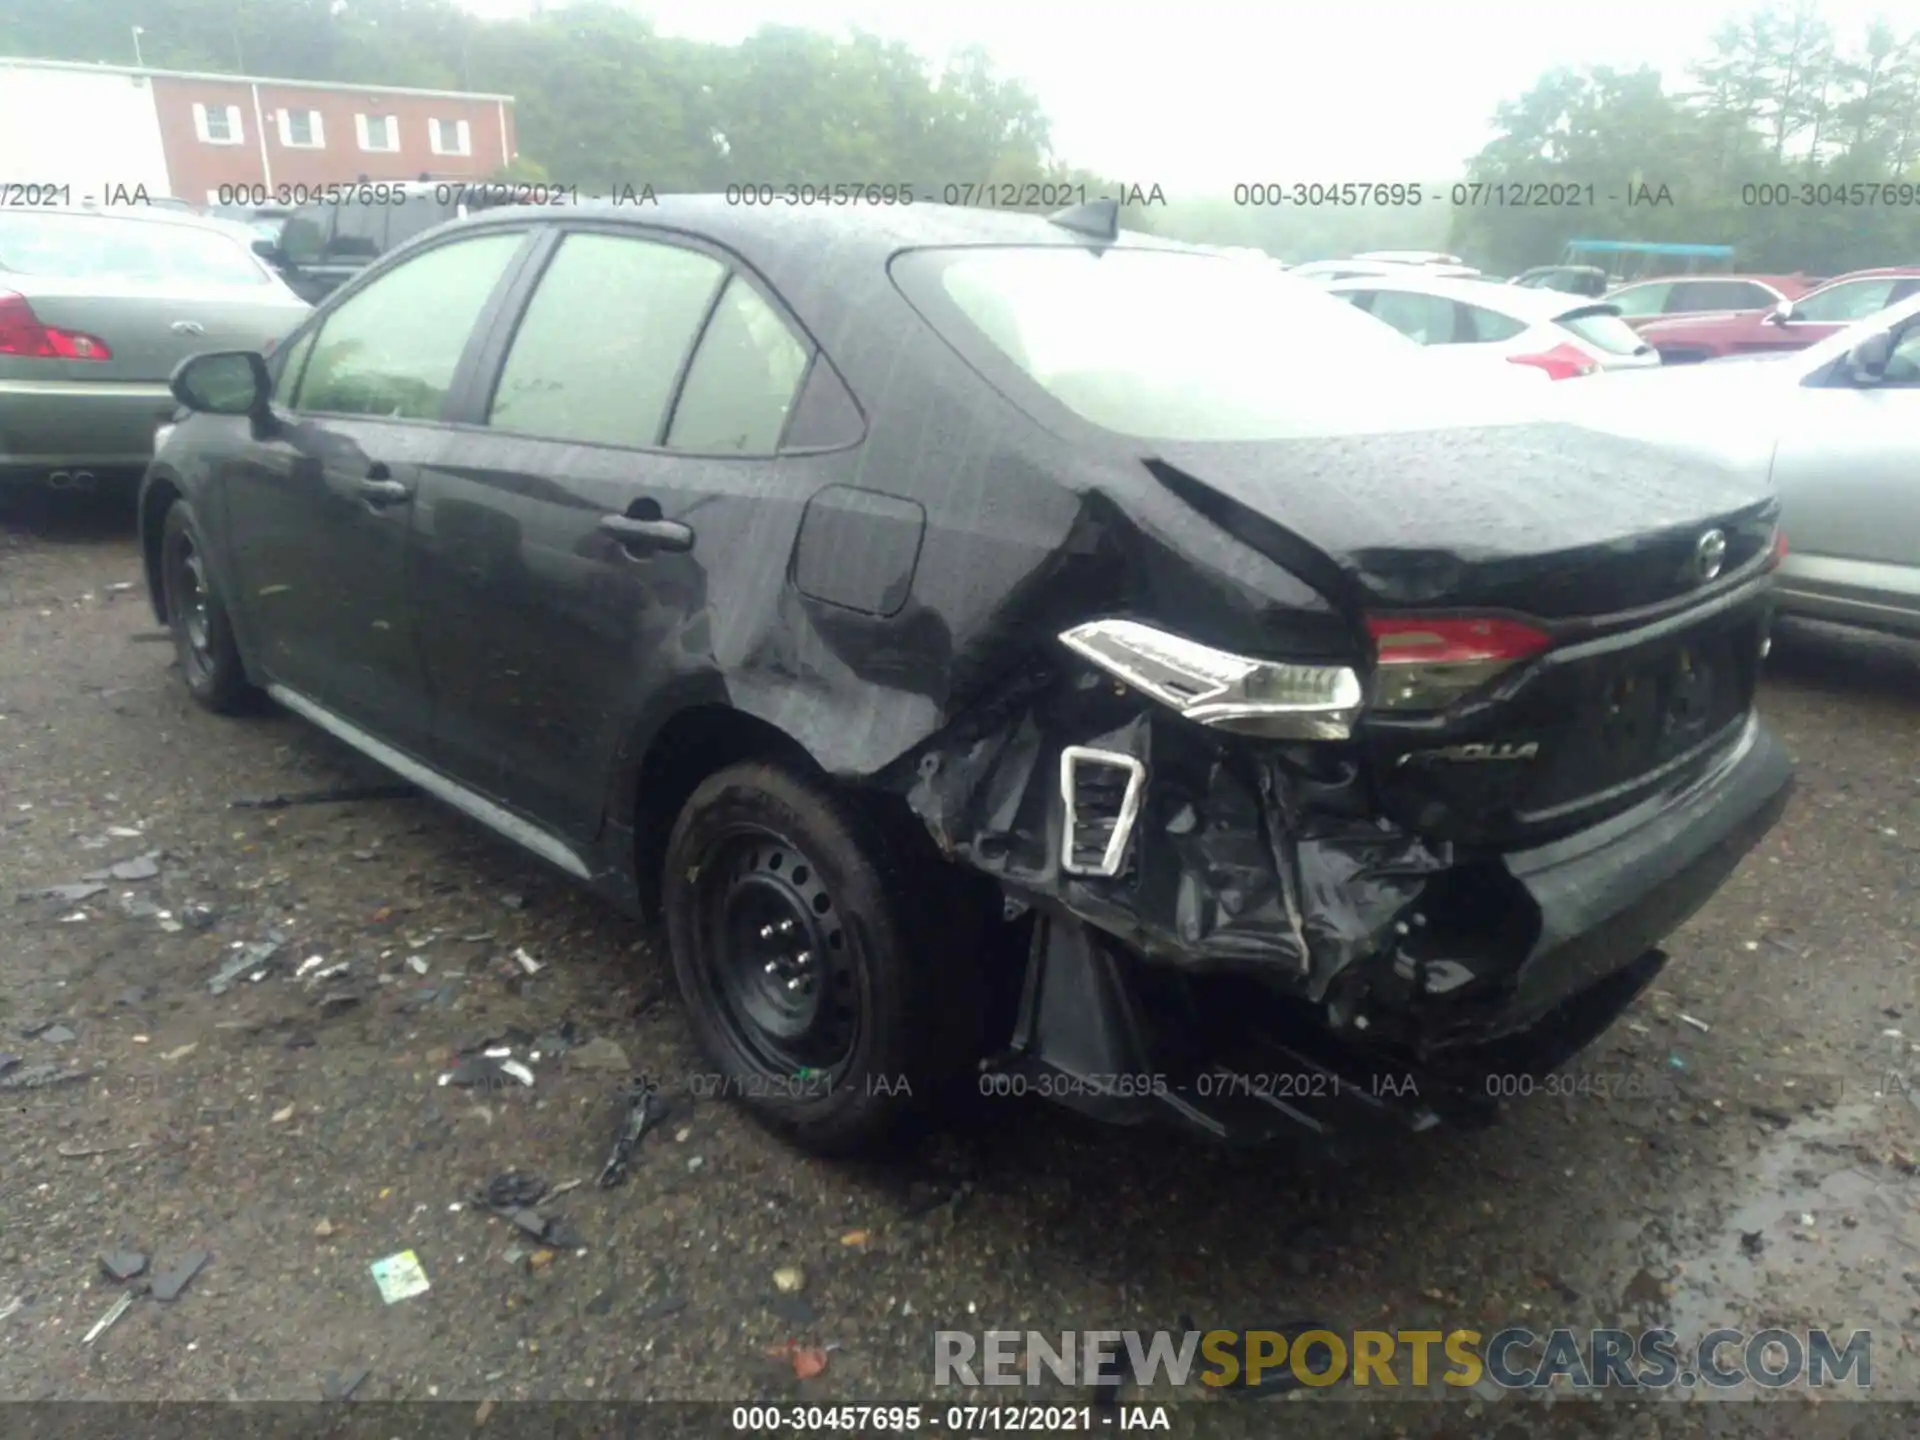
<point x="785" y="982"/>
<point x="202" y="635"/>
<point x="828" y="966"/>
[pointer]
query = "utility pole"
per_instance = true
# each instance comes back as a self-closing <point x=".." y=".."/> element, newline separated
<point x="138" y="59"/>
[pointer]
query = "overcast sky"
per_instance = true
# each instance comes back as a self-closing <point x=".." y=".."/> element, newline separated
<point x="1204" y="94"/>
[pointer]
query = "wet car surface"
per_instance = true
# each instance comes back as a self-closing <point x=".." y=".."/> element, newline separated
<point x="1789" y="1104"/>
<point x="879" y="543"/>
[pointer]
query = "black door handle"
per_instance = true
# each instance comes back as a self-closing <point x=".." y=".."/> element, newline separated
<point x="641" y="536"/>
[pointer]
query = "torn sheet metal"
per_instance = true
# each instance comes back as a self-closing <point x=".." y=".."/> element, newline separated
<point x="1239" y="860"/>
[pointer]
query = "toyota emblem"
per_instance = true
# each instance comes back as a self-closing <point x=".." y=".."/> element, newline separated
<point x="188" y="327"/>
<point x="1709" y="554"/>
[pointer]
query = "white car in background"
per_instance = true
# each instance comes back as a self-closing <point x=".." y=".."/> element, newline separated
<point x="1374" y="264"/>
<point x="1560" y="336"/>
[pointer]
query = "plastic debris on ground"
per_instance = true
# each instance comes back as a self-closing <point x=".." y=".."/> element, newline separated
<point x="123" y="1264"/>
<point x="339" y="1385"/>
<point x="514" y="1194"/>
<point x="332" y="795"/>
<point x="600" y="1054"/>
<point x="1699" y="1025"/>
<point x="400" y="1277"/>
<point x="167" y="1285"/>
<point x="58" y="1035"/>
<point x="490" y="1070"/>
<point x="527" y="963"/>
<point x="644" y="1110"/>
<point x="107" y="1321"/>
<point x="807" y="1360"/>
<point x="40" y="1077"/>
<point x="247" y="962"/>
<point x="67" y="894"/>
<point x="140" y="867"/>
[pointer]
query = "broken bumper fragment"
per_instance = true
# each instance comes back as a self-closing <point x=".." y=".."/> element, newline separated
<point x="1224" y="934"/>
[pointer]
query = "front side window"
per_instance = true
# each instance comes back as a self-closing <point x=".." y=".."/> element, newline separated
<point x="742" y="382"/>
<point x="122" y="248"/>
<point x="391" y="350"/>
<point x="1166" y="344"/>
<point x="1843" y="304"/>
<point x="1638" y="300"/>
<point x="603" y="341"/>
<point x="288" y="365"/>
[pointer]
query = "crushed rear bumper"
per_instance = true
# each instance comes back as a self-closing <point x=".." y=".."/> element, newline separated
<point x="1529" y="957"/>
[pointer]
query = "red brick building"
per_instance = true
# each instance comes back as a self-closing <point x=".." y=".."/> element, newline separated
<point x="214" y="130"/>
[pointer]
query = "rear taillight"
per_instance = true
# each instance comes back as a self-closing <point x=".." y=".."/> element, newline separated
<point x="22" y="335"/>
<point x="1779" y="550"/>
<point x="1562" y="362"/>
<point x="1426" y="663"/>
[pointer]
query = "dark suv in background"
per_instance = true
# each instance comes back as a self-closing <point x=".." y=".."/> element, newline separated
<point x="325" y="244"/>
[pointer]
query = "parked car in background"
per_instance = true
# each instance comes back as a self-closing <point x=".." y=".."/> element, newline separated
<point x="934" y="608"/>
<point x="265" y="221"/>
<point x="1568" y="279"/>
<point x="323" y="245"/>
<point x="1840" y="422"/>
<point x="1645" y="301"/>
<point x="1350" y="269"/>
<point x="1789" y="325"/>
<point x="1560" y="336"/>
<point x="97" y="306"/>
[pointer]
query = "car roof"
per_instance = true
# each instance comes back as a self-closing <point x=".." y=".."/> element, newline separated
<point x="157" y="215"/>
<point x="1878" y="273"/>
<point x="1775" y="282"/>
<point x="822" y="257"/>
<point x="1534" y="306"/>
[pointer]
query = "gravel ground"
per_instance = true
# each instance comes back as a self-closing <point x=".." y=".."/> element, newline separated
<point x="295" y="1130"/>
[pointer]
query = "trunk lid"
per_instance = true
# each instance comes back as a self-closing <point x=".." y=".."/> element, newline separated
<point x="150" y="328"/>
<point x="1547" y="518"/>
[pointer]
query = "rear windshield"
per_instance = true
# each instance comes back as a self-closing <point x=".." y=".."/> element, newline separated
<point x="1165" y="344"/>
<point x="112" y="247"/>
<point x="1601" y="327"/>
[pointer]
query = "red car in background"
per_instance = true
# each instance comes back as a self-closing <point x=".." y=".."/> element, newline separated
<point x="1646" y="301"/>
<point x="1793" y="324"/>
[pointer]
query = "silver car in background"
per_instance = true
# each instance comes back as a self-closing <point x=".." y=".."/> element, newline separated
<point x="1560" y="336"/>
<point x="1839" y="423"/>
<point x="97" y="306"/>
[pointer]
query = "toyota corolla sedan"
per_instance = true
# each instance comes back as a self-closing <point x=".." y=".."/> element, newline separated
<point x="1008" y="653"/>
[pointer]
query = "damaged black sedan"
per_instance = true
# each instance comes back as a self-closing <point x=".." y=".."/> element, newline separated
<point x="1006" y="652"/>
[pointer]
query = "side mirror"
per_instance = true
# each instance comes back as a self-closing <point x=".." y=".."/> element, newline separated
<point x="1867" y="361"/>
<point x="226" y="382"/>
<point x="269" y="250"/>
<point x="1781" y="313"/>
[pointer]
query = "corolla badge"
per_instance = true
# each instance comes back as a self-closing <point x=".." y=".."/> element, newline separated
<point x="1709" y="554"/>
<point x="1458" y="754"/>
<point x="188" y="327"/>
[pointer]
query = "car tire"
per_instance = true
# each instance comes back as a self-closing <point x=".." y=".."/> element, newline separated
<point x="828" y="958"/>
<point x="202" y="633"/>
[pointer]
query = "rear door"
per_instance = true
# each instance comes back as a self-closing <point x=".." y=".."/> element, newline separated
<point x="319" y="505"/>
<point x="1692" y="297"/>
<point x="620" y="452"/>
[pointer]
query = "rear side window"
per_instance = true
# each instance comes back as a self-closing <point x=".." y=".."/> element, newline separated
<point x="392" y="349"/>
<point x="741" y="384"/>
<point x="1604" y="330"/>
<point x="1426" y="319"/>
<point x="1721" y="295"/>
<point x="602" y="343"/>
<point x="1637" y="300"/>
<point x="1483" y="326"/>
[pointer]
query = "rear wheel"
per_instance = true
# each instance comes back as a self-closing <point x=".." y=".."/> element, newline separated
<point x="828" y="964"/>
<point x="202" y="634"/>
